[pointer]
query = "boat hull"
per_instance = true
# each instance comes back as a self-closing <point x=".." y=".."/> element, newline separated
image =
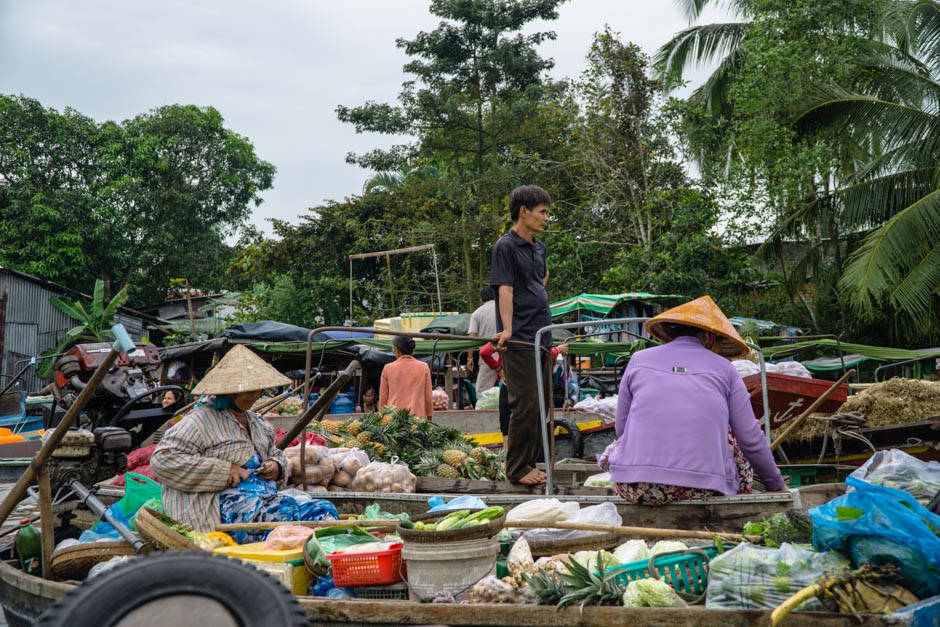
<point x="26" y="597"/>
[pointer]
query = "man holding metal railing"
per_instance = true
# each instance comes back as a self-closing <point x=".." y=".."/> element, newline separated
<point x="518" y="278"/>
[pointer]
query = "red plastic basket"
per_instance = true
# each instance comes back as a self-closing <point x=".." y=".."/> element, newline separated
<point x="376" y="568"/>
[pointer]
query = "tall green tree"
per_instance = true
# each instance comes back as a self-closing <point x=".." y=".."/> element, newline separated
<point x="472" y="109"/>
<point x="893" y="194"/>
<point x="143" y="199"/>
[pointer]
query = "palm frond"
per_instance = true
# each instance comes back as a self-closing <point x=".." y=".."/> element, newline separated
<point x="692" y="9"/>
<point x="895" y="261"/>
<point x="696" y="46"/>
<point x="713" y="93"/>
<point x="896" y="81"/>
<point x="873" y="202"/>
<point x="860" y="116"/>
<point x="923" y="30"/>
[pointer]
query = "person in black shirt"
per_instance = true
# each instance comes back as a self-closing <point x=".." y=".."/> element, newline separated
<point x="518" y="278"/>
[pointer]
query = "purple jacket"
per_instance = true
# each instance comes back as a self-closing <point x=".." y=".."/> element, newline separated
<point x="676" y="402"/>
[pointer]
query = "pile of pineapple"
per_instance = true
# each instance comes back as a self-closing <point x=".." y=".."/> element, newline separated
<point x="428" y="449"/>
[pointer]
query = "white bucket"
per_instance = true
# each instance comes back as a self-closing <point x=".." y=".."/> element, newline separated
<point x="448" y="566"/>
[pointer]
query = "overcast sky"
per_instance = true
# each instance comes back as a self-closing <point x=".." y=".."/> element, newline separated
<point x="276" y="70"/>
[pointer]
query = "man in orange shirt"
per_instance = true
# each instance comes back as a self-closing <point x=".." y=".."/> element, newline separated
<point x="406" y="383"/>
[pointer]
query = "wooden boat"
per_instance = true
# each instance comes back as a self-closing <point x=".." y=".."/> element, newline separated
<point x="26" y="597"/>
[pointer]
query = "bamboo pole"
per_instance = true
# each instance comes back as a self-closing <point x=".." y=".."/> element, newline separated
<point x="313" y="524"/>
<point x="46" y="521"/>
<point x="796" y="422"/>
<point x="645" y="532"/>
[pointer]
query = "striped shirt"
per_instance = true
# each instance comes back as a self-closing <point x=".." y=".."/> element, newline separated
<point x="194" y="458"/>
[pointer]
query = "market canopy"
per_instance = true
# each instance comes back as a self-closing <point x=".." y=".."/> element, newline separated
<point x="603" y="304"/>
<point x="854" y="351"/>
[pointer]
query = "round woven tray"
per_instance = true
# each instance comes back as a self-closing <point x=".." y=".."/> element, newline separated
<point x="593" y="542"/>
<point x="477" y="532"/>
<point x="74" y="562"/>
<point x="159" y="534"/>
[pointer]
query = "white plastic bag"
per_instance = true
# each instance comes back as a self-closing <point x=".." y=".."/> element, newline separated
<point x="543" y="510"/>
<point x="759" y="578"/>
<point x="488" y="399"/>
<point x="385" y="477"/>
<point x="897" y="469"/>
<point x="601" y="480"/>
<point x="602" y="514"/>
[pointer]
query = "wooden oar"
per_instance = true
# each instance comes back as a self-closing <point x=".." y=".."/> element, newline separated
<point x="796" y="422"/>
<point x="645" y="532"/>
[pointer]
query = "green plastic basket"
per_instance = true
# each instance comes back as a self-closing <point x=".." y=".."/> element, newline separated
<point x="686" y="571"/>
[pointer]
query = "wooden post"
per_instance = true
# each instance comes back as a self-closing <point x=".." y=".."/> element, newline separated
<point x="449" y="385"/>
<point x="3" y="325"/>
<point x="46" y="523"/>
<point x="189" y="308"/>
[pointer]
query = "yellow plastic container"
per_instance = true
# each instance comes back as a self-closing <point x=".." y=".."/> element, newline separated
<point x="286" y="566"/>
<point x="386" y="324"/>
<point x="415" y="322"/>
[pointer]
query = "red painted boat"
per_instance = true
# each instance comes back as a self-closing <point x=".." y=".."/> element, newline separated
<point x="789" y="396"/>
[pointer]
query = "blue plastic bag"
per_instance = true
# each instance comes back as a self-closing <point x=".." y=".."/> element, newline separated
<point x="877" y="524"/>
<point x="104" y="530"/>
<point x="461" y="502"/>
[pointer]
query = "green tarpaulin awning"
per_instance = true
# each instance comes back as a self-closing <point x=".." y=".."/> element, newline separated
<point x="603" y="303"/>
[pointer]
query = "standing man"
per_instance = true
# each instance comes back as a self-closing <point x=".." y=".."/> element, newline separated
<point x="483" y="324"/>
<point x="518" y="276"/>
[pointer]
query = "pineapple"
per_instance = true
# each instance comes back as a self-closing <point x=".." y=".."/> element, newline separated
<point x="351" y="443"/>
<point x="427" y="464"/>
<point x="478" y="454"/>
<point x="548" y="586"/>
<point x="454" y="458"/>
<point x="379" y="449"/>
<point x="386" y="420"/>
<point x="353" y="427"/>
<point x="364" y="437"/>
<point x="589" y="588"/>
<point x="447" y="472"/>
<point x="331" y="425"/>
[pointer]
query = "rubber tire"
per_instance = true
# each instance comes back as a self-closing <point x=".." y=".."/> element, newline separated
<point x="574" y="432"/>
<point x="253" y="597"/>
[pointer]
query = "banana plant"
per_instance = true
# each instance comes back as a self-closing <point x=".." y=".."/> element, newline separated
<point x="94" y="323"/>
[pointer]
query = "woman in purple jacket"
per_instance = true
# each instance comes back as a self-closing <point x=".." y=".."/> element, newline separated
<point x="685" y="426"/>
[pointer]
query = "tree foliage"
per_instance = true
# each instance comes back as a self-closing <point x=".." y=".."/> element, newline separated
<point x="150" y="198"/>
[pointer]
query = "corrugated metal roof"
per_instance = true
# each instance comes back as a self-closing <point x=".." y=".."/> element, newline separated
<point x="34" y="325"/>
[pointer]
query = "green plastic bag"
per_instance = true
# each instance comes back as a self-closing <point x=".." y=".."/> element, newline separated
<point x="325" y="541"/>
<point x="138" y="489"/>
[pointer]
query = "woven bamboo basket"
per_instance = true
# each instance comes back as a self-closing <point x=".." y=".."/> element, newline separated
<point x="159" y="534"/>
<point x="74" y="562"/>
<point x="477" y="532"/>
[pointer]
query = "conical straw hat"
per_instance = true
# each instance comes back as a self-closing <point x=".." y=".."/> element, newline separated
<point x="240" y="371"/>
<point x="704" y="314"/>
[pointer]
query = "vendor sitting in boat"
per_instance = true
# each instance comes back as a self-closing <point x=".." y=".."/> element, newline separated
<point x="684" y="423"/>
<point x="221" y="444"/>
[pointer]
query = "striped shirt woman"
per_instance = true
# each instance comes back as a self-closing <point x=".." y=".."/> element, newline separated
<point x="194" y="459"/>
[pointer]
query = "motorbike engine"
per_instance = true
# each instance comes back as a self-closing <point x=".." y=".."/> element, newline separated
<point x="123" y="412"/>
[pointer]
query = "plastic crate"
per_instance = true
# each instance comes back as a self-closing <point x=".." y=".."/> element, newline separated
<point x="686" y="572"/>
<point x="375" y="568"/>
<point x="393" y="592"/>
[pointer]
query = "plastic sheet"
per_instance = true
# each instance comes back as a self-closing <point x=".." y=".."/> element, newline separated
<point x="461" y="502"/>
<point x="543" y="510"/>
<point x="257" y="500"/>
<point x="877" y="524"/>
<point x="488" y="399"/>
<point x="287" y="537"/>
<point x="760" y="578"/>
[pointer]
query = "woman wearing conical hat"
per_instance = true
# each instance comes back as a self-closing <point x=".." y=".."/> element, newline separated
<point x="209" y="451"/>
<point x="684" y="422"/>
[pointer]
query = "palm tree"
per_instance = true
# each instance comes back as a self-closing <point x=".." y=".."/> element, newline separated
<point x="705" y="44"/>
<point x="893" y="197"/>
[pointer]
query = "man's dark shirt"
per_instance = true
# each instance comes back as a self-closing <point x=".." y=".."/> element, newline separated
<point x="521" y="265"/>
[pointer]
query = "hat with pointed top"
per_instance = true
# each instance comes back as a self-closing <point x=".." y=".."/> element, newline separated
<point x="704" y="314"/>
<point x="240" y="371"/>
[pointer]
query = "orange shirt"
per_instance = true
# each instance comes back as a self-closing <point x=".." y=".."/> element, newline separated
<point x="406" y="384"/>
